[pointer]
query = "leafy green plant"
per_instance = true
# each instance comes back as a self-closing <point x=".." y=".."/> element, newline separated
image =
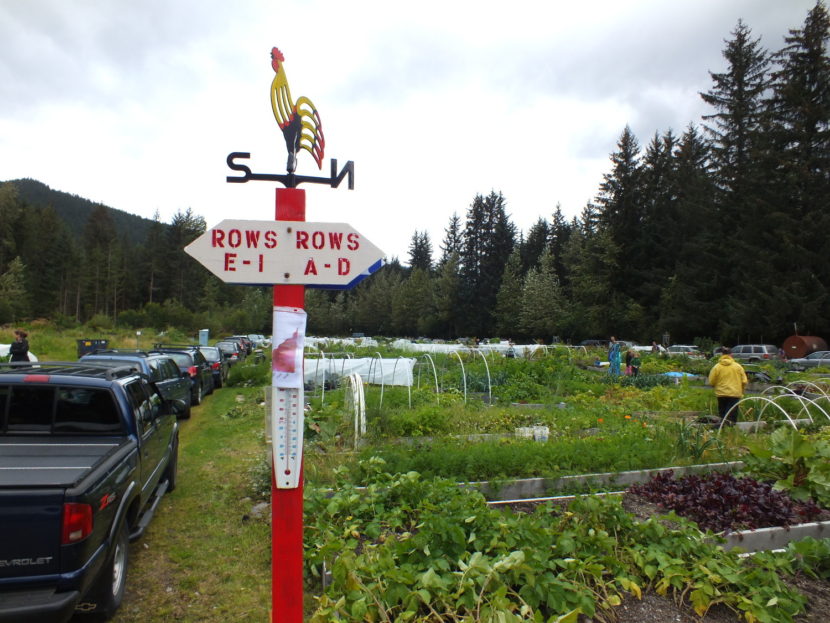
<point x="406" y="548"/>
<point x="641" y="381"/>
<point x="695" y="441"/>
<point x="250" y="374"/>
<point x="796" y="463"/>
<point x="620" y="446"/>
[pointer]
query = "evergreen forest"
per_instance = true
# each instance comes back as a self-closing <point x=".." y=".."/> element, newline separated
<point x="716" y="233"/>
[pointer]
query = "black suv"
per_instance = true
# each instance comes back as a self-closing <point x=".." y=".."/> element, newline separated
<point x="192" y="362"/>
<point x="232" y="351"/>
<point x="159" y="368"/>
<point x="218" y="364"/>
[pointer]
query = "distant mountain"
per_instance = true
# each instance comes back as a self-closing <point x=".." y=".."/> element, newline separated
<point x="75" y="210"/>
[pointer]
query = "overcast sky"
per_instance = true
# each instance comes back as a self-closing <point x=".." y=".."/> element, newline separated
<point x="136" y="104"/>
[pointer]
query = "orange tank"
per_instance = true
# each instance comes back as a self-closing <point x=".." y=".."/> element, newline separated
<point x="797" y="346"/>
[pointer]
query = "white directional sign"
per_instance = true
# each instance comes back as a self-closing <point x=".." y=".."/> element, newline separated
<point x="323" y="255"/>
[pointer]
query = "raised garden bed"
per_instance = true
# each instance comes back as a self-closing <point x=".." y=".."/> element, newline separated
<point x="523" y="488"/>
<point x="527" y="494"/>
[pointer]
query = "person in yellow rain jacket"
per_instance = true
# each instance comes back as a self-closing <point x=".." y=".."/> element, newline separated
<point x="729" y="380"/>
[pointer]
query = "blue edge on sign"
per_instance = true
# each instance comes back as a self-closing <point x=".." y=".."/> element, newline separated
<point x="321" y="286"/>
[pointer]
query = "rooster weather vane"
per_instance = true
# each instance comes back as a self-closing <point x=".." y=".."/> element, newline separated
<point x="301" y="128"/>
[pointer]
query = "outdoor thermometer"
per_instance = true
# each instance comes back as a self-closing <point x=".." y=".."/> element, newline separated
<point x="287" y="435"/>
<point x="287" y="395"/>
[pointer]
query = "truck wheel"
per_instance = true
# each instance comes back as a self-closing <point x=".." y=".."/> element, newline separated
<point x="172" y="470"/>
<point x="109" y="589"/>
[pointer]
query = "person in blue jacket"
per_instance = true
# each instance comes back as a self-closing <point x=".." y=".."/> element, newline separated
<point x="614" y="356"/>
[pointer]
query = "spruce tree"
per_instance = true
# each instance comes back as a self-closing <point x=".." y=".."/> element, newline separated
<point x="453" y="240"/>
<point x="14" y="295"/>
<point x="185" y="276"/>
<point x="541" y="312"/>
<point x="689" y="301"/>
<point x="621" y="211"/>
<point x="654" y="249"/>
<point x="11" y="212"/>
<point x="535" y="244"/>
<point x="509" y="299"/>
<point x="560" y="231"/>
<point x="447" y="313"/>
<point x="737" y="144"/>
<point x="799" y="169"/>
<point x="489" y="238"/>
<point x="420" y="252"/>
<point x="737" y="97"/>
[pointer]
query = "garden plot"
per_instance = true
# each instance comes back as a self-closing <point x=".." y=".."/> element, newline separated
<point x="401" y="540"/>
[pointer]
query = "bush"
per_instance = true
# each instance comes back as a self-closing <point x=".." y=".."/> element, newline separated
<point x="132" y="318"/>
<point x="250" y="375"/>
<point x="101" y="322"/>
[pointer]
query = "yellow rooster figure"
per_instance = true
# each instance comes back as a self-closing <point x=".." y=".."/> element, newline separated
<point x="299" y="121"/>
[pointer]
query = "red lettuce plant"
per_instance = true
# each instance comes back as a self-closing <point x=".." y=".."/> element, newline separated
<point x="721" y="502"/>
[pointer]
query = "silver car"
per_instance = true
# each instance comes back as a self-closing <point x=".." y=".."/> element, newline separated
<point x="754" y="353"/>
<point x="813" y="360"/>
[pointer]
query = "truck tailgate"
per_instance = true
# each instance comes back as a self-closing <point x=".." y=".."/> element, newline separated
<point x="31" y="526"/>
<point x="34" y="475"/>
<point x="39" y="462"/>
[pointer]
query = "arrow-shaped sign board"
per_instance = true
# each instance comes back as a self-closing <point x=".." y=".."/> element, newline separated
<point x="319" y="255"/>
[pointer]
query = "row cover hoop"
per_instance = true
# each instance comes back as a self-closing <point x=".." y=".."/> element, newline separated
<point x="773" y="401"/>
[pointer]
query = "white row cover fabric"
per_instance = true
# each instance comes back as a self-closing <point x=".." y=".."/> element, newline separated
<point x="520" y="350"/>
<point x="325" y="343"/>
<point x="5" y="349"/>
<point x="372" y="370"/>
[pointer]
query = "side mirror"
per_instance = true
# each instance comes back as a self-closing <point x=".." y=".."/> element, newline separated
<point x="173" y="406"/>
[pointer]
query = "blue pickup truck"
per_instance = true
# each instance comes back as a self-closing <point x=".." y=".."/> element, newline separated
<point x="86" y="453"/>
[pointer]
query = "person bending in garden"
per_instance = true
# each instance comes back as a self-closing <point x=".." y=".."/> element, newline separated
<point x="729" y="380"/>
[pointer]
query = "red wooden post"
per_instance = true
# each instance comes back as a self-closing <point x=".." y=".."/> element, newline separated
<point x="287" y="504"/>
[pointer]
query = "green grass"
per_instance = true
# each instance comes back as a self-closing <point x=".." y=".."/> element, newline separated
<point x="203" y="559"/>
<point x="51" y="343"/>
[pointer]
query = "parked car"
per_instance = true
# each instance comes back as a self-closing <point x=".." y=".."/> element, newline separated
<point x="231" y="350"/>
<point x="247" y="344"/>
<point x="159" y="368"/>
<point x="88" y="452"/>
<point x="259" y="340"/>
<point x="218" y="364"/>
<point x="240" y="345"/>
<point x="754" y="353"/>
<point x="594" y="343"/>
<point x="820" y="358"/>
<point x="191" y="361"/>
<point x="684" y="350"/>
